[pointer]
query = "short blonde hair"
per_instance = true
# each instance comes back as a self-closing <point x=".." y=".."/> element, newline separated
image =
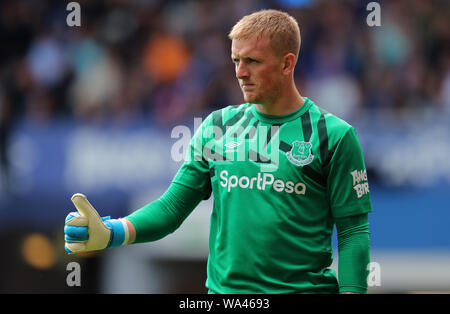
<point x="281" y="28"/>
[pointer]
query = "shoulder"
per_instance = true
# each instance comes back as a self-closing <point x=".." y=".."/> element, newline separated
<point x="335" y="126"/>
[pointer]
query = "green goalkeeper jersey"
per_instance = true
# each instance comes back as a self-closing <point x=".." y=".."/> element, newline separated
<point x="278" y="184"/>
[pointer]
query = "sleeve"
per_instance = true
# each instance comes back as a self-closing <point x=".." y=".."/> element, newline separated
<point x="347" y="184"/>
<point x="195" y="172"/>
<point x="354" y="253"/>
<point x="163" y="216"/>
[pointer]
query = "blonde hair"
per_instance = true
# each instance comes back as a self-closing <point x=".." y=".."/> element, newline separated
<point x="281" y="28"/>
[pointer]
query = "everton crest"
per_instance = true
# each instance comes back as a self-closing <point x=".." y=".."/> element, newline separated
<point x="300" y="153"/>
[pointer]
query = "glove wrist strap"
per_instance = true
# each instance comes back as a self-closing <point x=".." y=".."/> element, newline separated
<point x="119" y="232"/>
<point x="127" y="233"/>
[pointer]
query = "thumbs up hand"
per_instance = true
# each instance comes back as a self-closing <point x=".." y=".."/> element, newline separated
<point x="86" y="231"/>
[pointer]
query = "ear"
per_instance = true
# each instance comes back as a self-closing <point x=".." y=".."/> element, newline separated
<point x="288" y="62"/>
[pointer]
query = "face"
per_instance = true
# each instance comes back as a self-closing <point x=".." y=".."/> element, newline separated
<point x="258" y="69"/>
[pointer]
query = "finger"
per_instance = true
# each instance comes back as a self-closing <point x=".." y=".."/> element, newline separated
<point x="75" y="247"/>
<point x="76" y="234"/>
<point x="96" y="226"/>
<point x="86" y="209"/>
<point x="75" y="219"/>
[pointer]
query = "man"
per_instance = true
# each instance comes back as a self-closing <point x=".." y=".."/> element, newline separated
<point x="282" y="172"/>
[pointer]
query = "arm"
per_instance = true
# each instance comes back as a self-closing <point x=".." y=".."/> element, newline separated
<point x="350" y="202"/>
<point x="163" y="216"/>
<point x="86" y="231"/>
<point x="153" y="221"/>
<point x="131" y="231"/>
<point x="354" y="253"/>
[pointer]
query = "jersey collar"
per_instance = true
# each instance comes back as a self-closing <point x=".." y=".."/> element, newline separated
<point x="284" y="118"/>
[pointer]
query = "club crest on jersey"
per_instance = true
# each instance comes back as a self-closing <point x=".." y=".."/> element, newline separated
<point x="300" y="153"/>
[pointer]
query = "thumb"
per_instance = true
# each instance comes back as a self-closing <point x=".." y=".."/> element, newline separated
<point x="99" y="233"/>
<point x="75" y="219"/>
<point x="86" y="209"/>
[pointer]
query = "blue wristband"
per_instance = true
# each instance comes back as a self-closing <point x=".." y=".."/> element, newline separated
<point x="117" y="232"/>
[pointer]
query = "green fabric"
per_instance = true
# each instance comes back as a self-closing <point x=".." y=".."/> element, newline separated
<point x="279" y="184"/>
<point x="163" y="216"/>
<point x="354" y="252"/>
<point x="159" y="218"/>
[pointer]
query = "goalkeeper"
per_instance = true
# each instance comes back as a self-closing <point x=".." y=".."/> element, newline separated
<point x="282" y="171"/>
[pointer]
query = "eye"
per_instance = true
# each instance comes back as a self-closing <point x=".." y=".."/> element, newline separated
<point x="251" y="60"/>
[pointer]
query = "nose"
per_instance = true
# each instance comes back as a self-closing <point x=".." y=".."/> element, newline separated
<point x="241" y="70"/>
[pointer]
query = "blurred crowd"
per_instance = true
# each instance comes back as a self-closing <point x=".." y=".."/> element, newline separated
<point x="167" y="61"/>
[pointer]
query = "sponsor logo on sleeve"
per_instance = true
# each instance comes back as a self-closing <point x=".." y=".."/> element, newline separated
<point x="360" y="184"/>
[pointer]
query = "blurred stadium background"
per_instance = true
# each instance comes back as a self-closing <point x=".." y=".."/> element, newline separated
<point x="91" y="109"/>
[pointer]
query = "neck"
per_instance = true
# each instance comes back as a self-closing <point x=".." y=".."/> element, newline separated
<point x="289" y="101"/>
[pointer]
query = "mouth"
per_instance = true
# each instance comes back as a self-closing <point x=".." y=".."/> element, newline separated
<point x="247" y="86"/>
